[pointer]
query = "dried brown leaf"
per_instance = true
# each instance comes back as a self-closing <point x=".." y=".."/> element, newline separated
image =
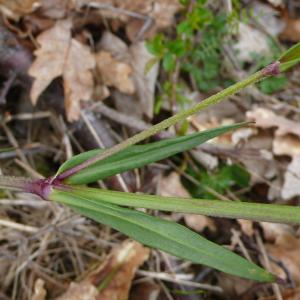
<point x="291" y="186"/>
<point x="199" y="222"/>
<point x="287" y="294"/>
<point x="147" y="290"/>
<point x="122" y="263"/>
<point x="162" y="11"/>
<point x="273" y="230"/>
<point x="39" y="290"/>
<point x="61" y="55"/>
<point x="17" y="8"/>
<point x="116" y="272"/>
<point x="286" y="145"/>
<point x="114" y="73"/>
<point x="285" y="142"/>
<point x="246" y="226"/>
<point x="171" y="186"/>
<point x="291" y="30"/>
<point x="266" y="118"/>
<point x="80" y="291"/>
<point x="56" y="9"/>
<point x="289" y="145"/>
<point x="286" y="249"/>
<point x="145" y="83"/>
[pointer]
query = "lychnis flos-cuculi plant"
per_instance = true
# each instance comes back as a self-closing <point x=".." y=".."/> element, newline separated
<point x="67" y="187"/>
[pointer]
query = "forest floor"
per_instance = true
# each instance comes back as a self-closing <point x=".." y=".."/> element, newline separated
<point x="80" y="75"/>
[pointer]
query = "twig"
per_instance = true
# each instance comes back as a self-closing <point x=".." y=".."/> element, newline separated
<point x="101" y="145"/>
<point x="119" y="117"/>
<point x="32" y="172"/>
<point x="14" y="143"/>
<point x="27" y="116"/>
<point x="14" y="183"/>
<point x="267" y="264"/>
<point x="237" y="236"/>
<point x="118" y="10"/>
<point x="33" y="203"/>
<point x="18" y="226"/>
<point x="180" y="279"/>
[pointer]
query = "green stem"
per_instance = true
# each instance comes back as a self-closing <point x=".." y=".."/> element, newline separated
<point x="216" y="208"/>
<point x="168" y="122"/>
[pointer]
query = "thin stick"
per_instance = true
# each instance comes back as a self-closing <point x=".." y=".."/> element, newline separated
<point x="267" y="265"/>
<point x="18" y="226"/>
<point x="14" y="183"/>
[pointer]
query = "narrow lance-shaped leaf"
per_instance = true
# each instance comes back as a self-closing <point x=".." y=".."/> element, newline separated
<point x="226" y="209"/>
<point x="289" y="58"/>
<point x="137" y="156"/>
<point x="165" y="235"/>
<point x="291" y="54"/>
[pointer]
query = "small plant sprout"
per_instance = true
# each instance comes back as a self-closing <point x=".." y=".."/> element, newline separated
<point x="67" y="187"/>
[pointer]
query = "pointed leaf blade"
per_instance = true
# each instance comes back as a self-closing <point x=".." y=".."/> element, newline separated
<point x="165" y="235"/>
<point x="292" y="53"/>
<point x="138" y="156"/>
<point x="216" y="208"/>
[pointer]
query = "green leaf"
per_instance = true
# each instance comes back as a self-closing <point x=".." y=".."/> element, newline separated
<point x="169" y="62"/>
<point x="216" y="208"/>
<point x="291" y="54"/>
<point x="156" y="45"/>
<point x="285" y="66"/>
<point x="289" y="58"/>
<point x="273" y="84"/>
<point x="164" y="235"/>
<point x="137" y="156"/>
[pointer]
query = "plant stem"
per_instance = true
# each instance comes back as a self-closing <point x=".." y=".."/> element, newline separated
<point x="214" y="99"/>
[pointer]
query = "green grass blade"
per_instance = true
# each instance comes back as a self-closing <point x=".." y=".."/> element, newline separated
<point x="137" y="156"/>
<point x="165" y="235"/>
<point x="243" y="210"/>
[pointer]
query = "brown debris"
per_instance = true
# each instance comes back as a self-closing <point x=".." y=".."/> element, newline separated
<point x="61" y="55"/>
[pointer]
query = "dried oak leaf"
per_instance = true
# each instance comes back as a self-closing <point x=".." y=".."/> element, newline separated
<point x="289" y="145"/>
<point x="287" y="294"/>
<point x="115" y="73"/>
<point x="80" y="291"/>
<point x="291" y="30"/>
<point x="122" y="263"/>
<point x="56" y="9"/>
<point x="136" y="56"/>
<point x="286" y="249"/>
<point x="17" y="8"/>
<point x="285" y="142"/>
<point x="154" y="15"/>
<point x="117" y="272"/>
<point x="39" y="290"/>
<point x="266" y="118"/>
<point x="61" y="55"/>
